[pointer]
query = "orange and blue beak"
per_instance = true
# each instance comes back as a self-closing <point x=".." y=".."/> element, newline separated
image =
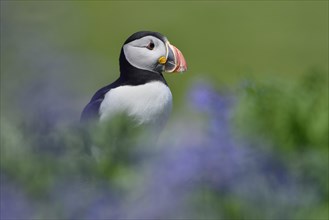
<point x="175" y="61"/>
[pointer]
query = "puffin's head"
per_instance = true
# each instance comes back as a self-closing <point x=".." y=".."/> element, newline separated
<point x="152" y="51"/>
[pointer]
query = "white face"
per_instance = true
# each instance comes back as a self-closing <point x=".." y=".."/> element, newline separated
<point x="145" y="52"/>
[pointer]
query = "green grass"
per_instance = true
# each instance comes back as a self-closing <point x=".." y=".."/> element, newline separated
<point x="222" y="41"/>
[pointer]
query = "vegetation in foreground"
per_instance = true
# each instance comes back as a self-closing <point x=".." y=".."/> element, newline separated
<point x="260" y="152"/>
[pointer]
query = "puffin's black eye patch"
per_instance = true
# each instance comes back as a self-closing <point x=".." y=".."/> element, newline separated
<point x="150" y="46"/>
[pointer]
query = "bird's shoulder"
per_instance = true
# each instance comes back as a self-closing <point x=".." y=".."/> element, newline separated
<point x="91" y="111"/>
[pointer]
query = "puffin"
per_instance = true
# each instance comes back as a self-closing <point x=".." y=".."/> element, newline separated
<point x="140" y="92"/>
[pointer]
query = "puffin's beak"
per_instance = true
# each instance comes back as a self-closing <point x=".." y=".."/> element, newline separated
<point x="175" y="60"/>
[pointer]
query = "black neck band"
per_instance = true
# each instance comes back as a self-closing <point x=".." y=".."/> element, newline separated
<point x="130" y="75"/>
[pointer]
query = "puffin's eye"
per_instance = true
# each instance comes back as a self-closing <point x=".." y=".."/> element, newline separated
<point x="150" y="46"/>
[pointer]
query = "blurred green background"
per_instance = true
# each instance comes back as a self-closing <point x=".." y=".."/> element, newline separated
<point x="269" y="58"/>
<point x="224" y="42"/>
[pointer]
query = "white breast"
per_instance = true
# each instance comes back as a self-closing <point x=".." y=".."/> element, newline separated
<point x="148" y="103"/>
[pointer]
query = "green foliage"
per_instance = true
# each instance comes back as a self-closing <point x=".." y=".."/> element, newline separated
<point x="286" y="120"/>
<point x="293" y="115"/>
<point x="107" y="152"/>
<point x="292" y="118"/>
